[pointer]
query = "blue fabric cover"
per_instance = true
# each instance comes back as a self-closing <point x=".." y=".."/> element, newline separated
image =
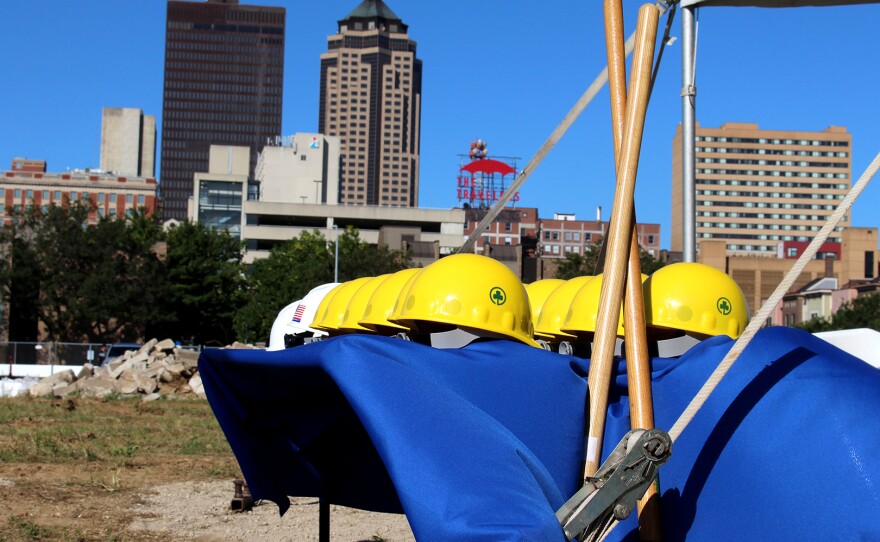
<point x="787" y="447"/>
<point x="478" y="443"/>
<point x="485" y="442"/>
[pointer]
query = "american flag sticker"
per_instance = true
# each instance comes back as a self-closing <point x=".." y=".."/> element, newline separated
<point x="298" y="313"/>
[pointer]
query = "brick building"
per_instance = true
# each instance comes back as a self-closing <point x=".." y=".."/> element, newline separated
<point x="27" y="184"/>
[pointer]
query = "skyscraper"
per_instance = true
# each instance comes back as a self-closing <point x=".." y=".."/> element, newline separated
<point x="224" y="68"/>
<point x="371" y="98"/>
<point x="128" y="142"/>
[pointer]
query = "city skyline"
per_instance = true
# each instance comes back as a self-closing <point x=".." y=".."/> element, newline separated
<point x="501" y="73"/>
<point x="223" y="85"/>
<point x="371" y="98"/>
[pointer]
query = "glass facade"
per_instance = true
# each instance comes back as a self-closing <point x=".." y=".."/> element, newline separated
<point x="220" y="206"/>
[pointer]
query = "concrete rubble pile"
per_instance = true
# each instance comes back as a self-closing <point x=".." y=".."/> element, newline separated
<point x="158" y="369"/>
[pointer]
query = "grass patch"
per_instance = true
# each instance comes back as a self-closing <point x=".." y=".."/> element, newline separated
<point x="29" y="529"/>
<point x="50" y="431"/>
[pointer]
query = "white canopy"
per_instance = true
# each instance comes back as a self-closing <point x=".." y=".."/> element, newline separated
<point x="773" y="3"/>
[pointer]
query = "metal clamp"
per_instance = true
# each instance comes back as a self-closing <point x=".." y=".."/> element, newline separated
<point x="618" y="485"/>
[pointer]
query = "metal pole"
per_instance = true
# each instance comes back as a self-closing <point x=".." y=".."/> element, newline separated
<point x="336" y="255"/>
<point x="323" y="520"/>
<point x="688" y="132"/>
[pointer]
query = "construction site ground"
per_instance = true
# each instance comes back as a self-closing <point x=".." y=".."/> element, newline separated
<point x="125" y="470"/>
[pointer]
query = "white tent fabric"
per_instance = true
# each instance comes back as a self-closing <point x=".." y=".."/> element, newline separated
<point x="773" y="3"/>
<point x="861" y="343"/>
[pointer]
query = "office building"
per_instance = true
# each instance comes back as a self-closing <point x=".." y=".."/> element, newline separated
<point x="756" y="189"/>
<point x="564" y="234"/>
<point x="302" y="168"/>
<point x="371" y="98"/>
<point x="224" y="69"/>
<point x="281" y="203"/>
<point x="128" y="142"/>
<point x="533" y="247"/>
<point x="854" y="258"/>
<point x="27" y="185"/>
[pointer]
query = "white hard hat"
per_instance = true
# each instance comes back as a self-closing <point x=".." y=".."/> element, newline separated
<point x="279" y="327"/>
<point x="304" y="313"/>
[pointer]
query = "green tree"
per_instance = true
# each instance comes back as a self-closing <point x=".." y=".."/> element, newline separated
<point x="577" y="265"/>
<point x="60" y="244"/>
<point x="300" y="264"/>
<point x="862" y="312"/>
<point x="649" y="263"/>
<point x="203" y="267"/>
<point x="357" y="258"/>
<point x="291" y="270"/>
<point x="19" y="279"/>
<point x="90" y="280"/>
<point x="127" y="282"/>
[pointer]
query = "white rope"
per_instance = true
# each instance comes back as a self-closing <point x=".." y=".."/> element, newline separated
<point x="551" y="141"/>
<point x="766" y="308"/>
<point x="769" y="305"/>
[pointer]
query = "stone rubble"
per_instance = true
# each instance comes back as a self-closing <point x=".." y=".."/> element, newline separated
<point x="158" y="369"/>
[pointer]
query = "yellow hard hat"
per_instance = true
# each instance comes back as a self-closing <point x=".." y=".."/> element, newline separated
<point x="695" y="298"/>
<point x="467" y="291"/>
<point x="358" y="303"/>
<point x="556" y="307"/>
<point x="538" y="292"/>
<point x="322" y="307"/>
<point x="332" y="316"/>
<point x="398" y="303"/>
<point x="584" y="310"/>
<point x="381" y="303"/>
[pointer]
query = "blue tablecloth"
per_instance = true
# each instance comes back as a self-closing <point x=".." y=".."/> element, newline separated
<point x="478" y="443"/>
<point x="485" y="442"/>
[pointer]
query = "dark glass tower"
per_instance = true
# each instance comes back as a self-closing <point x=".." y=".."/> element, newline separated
<point x="224" y="69"/>
<point x="371" y="98"/>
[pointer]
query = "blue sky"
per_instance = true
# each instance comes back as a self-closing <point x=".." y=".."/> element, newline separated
<point x="506" y="71"/>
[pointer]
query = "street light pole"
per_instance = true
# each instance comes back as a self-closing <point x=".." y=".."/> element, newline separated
<point x="336" y="255"/>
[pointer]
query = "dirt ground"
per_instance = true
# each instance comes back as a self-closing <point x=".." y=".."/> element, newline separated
<point x="153" y="497"/>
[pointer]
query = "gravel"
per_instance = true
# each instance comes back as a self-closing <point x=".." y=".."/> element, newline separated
<point x="201" y="511"/>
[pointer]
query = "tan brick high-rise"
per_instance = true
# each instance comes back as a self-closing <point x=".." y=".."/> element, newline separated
<point x="756" y="189"/>
<point x="370" y="97"/>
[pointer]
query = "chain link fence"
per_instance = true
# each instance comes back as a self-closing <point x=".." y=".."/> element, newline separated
<point x="50" y="353"/>
<point x="55" y="353"/>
